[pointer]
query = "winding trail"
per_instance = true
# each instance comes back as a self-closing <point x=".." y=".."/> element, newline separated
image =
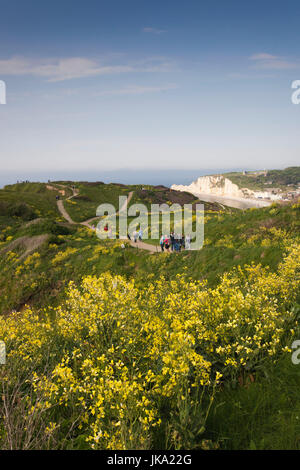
<point x="64" y="213"/>
<point x="145" y="246"/>
<point x="61" y="207"/>
<point x="138" y="245"/>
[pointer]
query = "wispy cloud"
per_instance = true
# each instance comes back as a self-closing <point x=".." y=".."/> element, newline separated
<point x="249" y="76"/>
<point x="55" y="70"/>
<point x="154" y="30"/>
<point x="137" y="90"/>
<point x="263" y="56"/>
<point x="264" y="60"/>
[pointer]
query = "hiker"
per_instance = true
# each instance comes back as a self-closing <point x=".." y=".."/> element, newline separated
<point x="135" y="235"/>
<point x="140" y="234"/>
<point x="167" y="243"/>
<point x="161" y="242"/>
<point x="172" y="241"/>
<point x="106" y="228"/>
<point x="177" y="242"/>
<point x="128" y="236"/>
<point x="188" y="242"/>
<point x="182" y="243"/>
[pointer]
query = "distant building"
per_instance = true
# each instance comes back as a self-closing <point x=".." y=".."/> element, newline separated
<point x="270" y="195"/>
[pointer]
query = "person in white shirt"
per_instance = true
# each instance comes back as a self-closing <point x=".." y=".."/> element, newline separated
<point x="187" y="242"/>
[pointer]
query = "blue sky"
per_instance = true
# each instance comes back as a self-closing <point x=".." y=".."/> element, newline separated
<point x="100" y="85"/>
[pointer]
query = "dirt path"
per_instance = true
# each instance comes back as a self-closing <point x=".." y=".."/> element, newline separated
<point x="138" y="245"/>
<point x="145" y="246"/>
<point x="60" y="203"/>
<point x="87" y="222"/>
<point x="64" y="213"/>
<point x="125" y="205"/>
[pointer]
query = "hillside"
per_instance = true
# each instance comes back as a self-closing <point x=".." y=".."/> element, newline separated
<point x="261" y="180"/>
<point x="66" y="252"/>
<point x="188" y="335"/>
<point x="90" y="195"/>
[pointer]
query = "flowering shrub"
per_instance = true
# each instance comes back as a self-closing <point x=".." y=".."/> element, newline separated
<point x="33" y="260"/>
<point x="227" y="241"/>
<point x="63" y="255"/>
<point x="11" y="255"/>
<point x="115" y="364"/>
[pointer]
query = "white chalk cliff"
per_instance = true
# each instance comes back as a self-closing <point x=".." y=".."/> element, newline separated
<point x="216" y="185"/>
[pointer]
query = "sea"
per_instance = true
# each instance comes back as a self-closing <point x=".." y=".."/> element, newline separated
<point x="155" y="177"/>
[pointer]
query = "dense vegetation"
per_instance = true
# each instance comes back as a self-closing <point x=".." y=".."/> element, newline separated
<point x="115" y="348"/>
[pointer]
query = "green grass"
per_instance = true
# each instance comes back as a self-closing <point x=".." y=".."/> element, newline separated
<point x="91" y="195"/>
<point x="260" y="415"/>
<point x="230" y="240"/>
<point x="279" y="178"/>
<point x="40" y="201"/>
<point x="84" y="206"/>
<point x="264" y="414"/>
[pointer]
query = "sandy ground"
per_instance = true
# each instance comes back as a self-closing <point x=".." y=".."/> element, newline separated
<point x="238" y="203"/>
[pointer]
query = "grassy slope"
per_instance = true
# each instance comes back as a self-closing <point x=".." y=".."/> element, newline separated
<point x="40" y="201"/>
<point x="263" y="415"/>
<point x="270" y="406"/>
<point x="279" y="178"/>
<point x="91" y="195"/>
<point x="231" y="239"/>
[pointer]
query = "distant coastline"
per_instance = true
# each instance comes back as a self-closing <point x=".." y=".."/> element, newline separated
<point x="237" y="203"/>
<point x="166" y="177"/>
